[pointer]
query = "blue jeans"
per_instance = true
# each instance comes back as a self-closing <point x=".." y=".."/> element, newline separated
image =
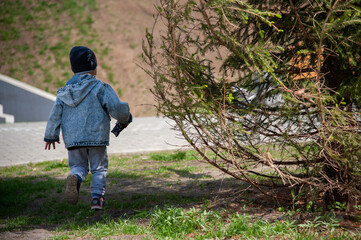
<point x="97" y="157"/>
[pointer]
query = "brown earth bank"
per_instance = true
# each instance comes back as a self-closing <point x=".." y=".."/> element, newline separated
<point x="122" y="25"/>
<point x="114" y="30"/>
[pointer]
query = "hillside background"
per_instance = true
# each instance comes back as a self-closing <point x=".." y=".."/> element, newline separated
<point x="36" y="38"/>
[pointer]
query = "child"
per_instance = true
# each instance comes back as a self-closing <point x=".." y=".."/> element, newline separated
<point x="82" y="110"/>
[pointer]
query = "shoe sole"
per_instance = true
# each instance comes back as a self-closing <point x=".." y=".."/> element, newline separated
<point x="96" y="208"/>
<point x="71" y="191"/>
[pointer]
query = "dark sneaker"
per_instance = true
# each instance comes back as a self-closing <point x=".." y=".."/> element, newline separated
<point x="97" y="203"/>
<point x="72" y="189"/>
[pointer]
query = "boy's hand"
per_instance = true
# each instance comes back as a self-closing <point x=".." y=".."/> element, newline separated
<point x="48" y="145"/>
<point x="120" y="127"/>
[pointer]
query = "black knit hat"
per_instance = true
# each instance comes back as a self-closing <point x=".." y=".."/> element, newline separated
<point x="82" y="59"/>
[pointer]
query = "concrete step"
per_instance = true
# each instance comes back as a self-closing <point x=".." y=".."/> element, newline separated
<point x="5" y="118"/>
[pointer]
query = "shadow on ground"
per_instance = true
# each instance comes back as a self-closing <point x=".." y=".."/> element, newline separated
<point x="33" y="206"/>
<point x="37" y="202"/>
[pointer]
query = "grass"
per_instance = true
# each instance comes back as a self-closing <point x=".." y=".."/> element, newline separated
<point x="177" y="156"/>
<point x="154" y="196"/>
<point x="46" y="31"/>
<point x="109" y="72"/>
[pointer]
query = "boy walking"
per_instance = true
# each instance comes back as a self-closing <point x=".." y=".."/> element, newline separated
<point x="82" y="111"/>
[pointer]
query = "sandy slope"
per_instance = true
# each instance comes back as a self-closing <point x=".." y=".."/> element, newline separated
<point x="122" y="25"/>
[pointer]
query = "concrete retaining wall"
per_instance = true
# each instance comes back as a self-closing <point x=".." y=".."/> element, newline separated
<point x="26" y="103"/>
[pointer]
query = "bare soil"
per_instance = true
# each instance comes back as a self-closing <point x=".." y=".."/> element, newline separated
<point x="122" y="26"/>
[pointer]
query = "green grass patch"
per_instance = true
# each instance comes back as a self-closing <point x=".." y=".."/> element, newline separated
<point x="145" y="200"/>
<point x="111" y="77"/>
<point x="11" y="33"/>
<point x="124" y="175"/>
<point x="177" y="156"/>
<point x="14" y="170"/>
<point x="133" y="45"/>
<point x="178" y="223"/>
<point x="20" y="192"/>
<point x="119" y="161"/>
<point x="109" y="227"/>
<point x="120" y="92"/>
<point x="36" y="24"/>
<point x="105" y="51"/>
<point x="55" y="165"/>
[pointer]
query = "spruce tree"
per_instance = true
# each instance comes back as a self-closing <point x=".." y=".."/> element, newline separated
<point x="271" y="88"/>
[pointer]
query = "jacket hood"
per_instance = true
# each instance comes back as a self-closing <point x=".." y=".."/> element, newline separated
<point x="74" y="93"/>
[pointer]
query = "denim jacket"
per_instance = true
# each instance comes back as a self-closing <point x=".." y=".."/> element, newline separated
<point x="82" y="111"/>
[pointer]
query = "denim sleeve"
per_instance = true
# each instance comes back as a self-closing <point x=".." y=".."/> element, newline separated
<point x="117" y="109"/>
<point x="54" y="122"/>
